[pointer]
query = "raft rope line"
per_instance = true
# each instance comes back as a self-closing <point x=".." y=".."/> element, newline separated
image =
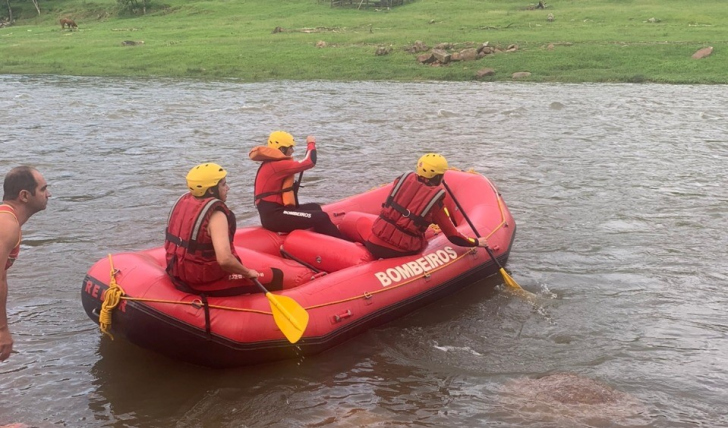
<point x="115" y="293"/>
<point x="112" y="298"/>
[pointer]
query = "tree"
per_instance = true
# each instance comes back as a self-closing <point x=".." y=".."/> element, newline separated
<point x="133" y="5"/>
<point x="10" y="12"/>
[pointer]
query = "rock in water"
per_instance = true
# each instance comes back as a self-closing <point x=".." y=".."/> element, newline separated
<point x="568" y="399"/>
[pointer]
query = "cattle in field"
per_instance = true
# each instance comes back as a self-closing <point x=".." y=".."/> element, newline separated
<point x="70" y="23"/>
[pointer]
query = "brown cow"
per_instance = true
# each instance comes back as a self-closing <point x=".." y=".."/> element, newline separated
<point x="68" y="22"/>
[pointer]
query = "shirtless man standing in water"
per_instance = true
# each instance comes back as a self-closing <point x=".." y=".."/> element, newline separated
<point x="25" y="193"/>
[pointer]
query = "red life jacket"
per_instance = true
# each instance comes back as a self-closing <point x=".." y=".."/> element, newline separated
<point x="407" y="213"/>
<point x="282" y="192"/>
<point x="15" y="251"/>
<point x="190" y="254"/>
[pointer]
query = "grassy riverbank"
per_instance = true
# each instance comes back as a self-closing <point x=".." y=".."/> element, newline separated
<point x="587" y="41"/>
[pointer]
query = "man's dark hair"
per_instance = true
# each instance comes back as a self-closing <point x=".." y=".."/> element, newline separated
<point x="18" y="179"/>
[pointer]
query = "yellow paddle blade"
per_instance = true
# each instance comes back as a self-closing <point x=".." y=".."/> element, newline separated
<point x="514" y="287"/>
<point x="289" y="316"/>
<point x="509" y="281"/>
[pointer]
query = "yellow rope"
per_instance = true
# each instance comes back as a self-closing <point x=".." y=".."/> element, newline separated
<point x="111" y="301"/>
<point x="194" y="303"/>
<point x="365" y="295"/>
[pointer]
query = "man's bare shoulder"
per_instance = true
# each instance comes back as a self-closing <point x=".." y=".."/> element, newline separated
<point x="9" y="229"/>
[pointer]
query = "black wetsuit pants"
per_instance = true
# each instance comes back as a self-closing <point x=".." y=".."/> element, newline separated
<point x="279" y="218"/>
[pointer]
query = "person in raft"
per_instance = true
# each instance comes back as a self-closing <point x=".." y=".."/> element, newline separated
<point x="276" y="192"/>
<point x="201" y="257"/>
<point x="416" y="202"/>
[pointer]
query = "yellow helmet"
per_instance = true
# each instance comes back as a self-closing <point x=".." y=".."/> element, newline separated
<point x="431" y="164"/>
<point x="280" y="139"/>
<point x="203" y="177"/>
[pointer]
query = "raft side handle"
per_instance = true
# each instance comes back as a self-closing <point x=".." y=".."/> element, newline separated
<point x="318" y="275"/>
<point x="340" y="317"/>
<point x="95" y="312"/>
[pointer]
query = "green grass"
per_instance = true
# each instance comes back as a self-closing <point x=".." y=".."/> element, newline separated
<point x="594" y="40"/>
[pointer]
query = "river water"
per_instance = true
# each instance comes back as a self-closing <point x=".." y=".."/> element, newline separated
<point x="619" y="193"/>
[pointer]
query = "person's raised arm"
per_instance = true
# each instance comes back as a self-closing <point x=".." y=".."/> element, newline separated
<point x="442" y="219"/>
<point x="311" y="148"/>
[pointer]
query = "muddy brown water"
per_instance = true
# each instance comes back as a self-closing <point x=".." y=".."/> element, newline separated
<point x="619" y="193"/>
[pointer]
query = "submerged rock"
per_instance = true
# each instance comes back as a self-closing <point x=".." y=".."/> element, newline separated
<point x="571" y="400"/>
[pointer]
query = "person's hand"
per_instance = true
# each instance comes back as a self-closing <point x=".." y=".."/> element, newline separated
<point x="310" y="142"/>
<point x="482" y="242"/>
<point x="6" y="343"/>
<point x="252" y="273"/>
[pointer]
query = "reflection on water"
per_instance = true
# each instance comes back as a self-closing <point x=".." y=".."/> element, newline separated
<point x="618" y="191"/>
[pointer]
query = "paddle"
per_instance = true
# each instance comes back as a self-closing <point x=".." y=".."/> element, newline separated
<point x="507" y="278"/>
<point x="289" y="316"/>
<point x="297" y="186"/>
<point x="300" y="176"/>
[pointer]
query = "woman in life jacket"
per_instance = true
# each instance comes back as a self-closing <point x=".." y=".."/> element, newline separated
<point x="416" y="202"/>
<point x="276" y="191"/>
<point x="201" y="257"/>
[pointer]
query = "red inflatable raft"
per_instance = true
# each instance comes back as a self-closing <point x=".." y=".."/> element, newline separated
<point x="337" y="282"/>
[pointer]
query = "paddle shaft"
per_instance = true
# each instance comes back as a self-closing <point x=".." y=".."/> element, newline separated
<point x="457" y="204"/>
<point x="265" y="290"/>
<point x="472" y="226"/>
<point x="507" y="278"/>
<point x="298" y="186"/>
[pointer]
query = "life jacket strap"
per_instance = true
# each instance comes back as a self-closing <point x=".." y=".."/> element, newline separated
<point x="418" y="220"/>
<point x="276" y="192"/>
<point x="192" y="247"/>
<point x="401" y="229"/>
